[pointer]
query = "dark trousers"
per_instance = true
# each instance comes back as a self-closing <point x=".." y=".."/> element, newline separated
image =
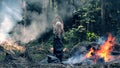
<point x="58" y="48"/>
<point x="58" y="54"/>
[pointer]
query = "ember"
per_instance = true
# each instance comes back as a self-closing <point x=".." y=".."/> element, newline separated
<point x="89" y="54"/>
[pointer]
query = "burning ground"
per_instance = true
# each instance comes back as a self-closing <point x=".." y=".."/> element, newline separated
<point x="95" y="53"/>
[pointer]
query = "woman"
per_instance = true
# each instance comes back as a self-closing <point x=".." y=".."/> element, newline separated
<point x="58" y="31"/>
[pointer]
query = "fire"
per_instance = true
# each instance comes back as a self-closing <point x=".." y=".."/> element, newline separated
<point x="105" y="49"/>
<point x="88" y="55"/>
<point x="10" y="45"/>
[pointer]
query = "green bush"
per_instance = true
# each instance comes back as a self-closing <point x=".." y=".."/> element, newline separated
<point x="91" y="36"/>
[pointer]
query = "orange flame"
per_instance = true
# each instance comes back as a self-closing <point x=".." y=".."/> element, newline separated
<point x="105" y="49"/>
<point x="88" y="55"/>
<point x="10" y="45"/>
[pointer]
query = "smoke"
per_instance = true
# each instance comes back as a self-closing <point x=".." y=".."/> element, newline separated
<point x="75" y="59"/>
<point x="79" y="59"/>
<point x="101" y="40"/>
<point x="37" y="24"/>
<point x="36" y="16"/>
<point x="31" y="32"/>
<point x="10" y="13"/>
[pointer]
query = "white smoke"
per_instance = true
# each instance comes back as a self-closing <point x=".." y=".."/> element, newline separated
<point x="40" y="21"/>
<point x="40" y="15"/>
<point x="10" y="13"/>
<point x="31" y="32"/>
<point x="38" y="25"/>
<point x="101" y="40"/>
<point x="75" y="59"/>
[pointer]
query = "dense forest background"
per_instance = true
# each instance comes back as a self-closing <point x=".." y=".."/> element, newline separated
<point x="84" y="21"/>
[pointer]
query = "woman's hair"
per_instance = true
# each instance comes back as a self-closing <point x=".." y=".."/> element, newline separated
<point x="58" y="27"/>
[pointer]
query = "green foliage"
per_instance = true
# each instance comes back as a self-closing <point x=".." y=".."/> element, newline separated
<point x="92" y="36"/>
<point x="37" y="57"/>
<point x="84" y="20"/>
<point x="79" y="34"/>
<point x="74" y="36"/>
<point x="89" y="17"/>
